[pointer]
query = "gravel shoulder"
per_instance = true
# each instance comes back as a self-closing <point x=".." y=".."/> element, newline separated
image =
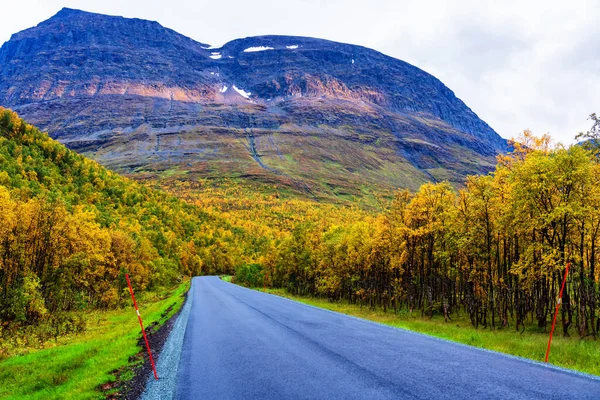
<point x="168" y="359"/>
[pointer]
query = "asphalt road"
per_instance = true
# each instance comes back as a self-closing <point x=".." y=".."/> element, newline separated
<point x="244" y="344"/>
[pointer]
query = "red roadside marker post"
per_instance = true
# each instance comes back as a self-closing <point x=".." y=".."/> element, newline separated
<point x="558" y="303"/>
<point x="141" y="326"/>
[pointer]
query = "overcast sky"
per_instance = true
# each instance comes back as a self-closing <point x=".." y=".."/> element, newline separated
<point x="517" y="64"/>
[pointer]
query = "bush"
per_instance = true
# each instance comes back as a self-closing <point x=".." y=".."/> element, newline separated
<point x="249" y="275"/>
<point x="165" y="273"/>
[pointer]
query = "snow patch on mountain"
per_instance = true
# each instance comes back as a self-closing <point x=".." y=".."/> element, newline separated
<point x="242" y="92"/>
<point x="257" y="48"/>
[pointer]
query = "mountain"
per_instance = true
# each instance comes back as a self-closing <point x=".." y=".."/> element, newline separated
<point x="320" y="117"/>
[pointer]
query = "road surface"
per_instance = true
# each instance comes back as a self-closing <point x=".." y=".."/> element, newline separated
<point x="244" y="344"/>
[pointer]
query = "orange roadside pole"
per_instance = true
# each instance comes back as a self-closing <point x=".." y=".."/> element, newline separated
<point x="558" y="303"/>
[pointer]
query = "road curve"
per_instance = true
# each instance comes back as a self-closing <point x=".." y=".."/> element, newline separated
<point x="244" y="344"/>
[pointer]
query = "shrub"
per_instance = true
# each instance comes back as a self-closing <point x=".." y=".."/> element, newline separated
<point x="251" y="275"/>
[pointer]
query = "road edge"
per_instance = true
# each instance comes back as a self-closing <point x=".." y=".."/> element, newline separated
<point x="168" y="360"/>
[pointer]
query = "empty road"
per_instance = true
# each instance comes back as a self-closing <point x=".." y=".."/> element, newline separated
<point x="244" y="344"/>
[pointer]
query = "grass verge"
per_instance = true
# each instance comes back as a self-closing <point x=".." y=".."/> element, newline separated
<point x="77" y="368"/>
<point x="572" y="353"/>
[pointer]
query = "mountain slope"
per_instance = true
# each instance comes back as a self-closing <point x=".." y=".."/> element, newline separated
<point x="318" y="116"/>
<point x="70" y="229"/>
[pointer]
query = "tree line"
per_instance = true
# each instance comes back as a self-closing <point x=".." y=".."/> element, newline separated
<point x="496" y="249"/>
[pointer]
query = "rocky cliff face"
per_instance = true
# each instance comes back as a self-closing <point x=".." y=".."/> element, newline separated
<point x="317" y="115"/>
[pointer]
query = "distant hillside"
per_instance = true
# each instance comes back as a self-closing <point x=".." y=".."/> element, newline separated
<point x="71" y="229"/>
<point x="321" y="117"/>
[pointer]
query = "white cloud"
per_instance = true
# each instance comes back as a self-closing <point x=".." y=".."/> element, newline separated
<point x="517" y="64"/>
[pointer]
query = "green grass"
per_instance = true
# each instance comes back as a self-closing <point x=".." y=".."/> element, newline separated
<point x="573" y="353"/>
<point x="75" y="369"/>
<point x="226" y="278"/>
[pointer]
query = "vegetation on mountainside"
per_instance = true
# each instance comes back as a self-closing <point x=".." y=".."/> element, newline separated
<point x="495" y="250"/>
<point x="70" y="229"/>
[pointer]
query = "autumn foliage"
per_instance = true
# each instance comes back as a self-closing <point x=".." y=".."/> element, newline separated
<point x="70" y="229"/>
<point x="495" y="250"/>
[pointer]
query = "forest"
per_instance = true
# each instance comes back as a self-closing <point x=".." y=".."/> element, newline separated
<point x="70" y="230"/>
<point x="495" y="249"/>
